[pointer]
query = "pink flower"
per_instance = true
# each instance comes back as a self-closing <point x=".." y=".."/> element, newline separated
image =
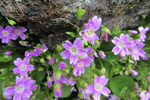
<point x="22" y="66"/>
<point x="7" y="52"/>
<point x="6" y="34"/>
<point x="136" y="50"/>
<point x="49" y="81"/>
<point x="133" y="32"/>
<point x="142" y="32"/>
<point x="37" y="51"/>
<point x="102" y="54"/>
<point x="58" y="89"/>
<point x="133" y="72"/>
<point x="62" y="65"/>
<point x="28" y="54"/>
<point x="79" y="67"/>
<point x="144" y="96"/>
<point x="90" y="28"/>
<point x="106" y="36"/>
<point x="73" y="50"/>
<point x="122" y="45"/>
<point x="19" y="32"/>
<point x="98" y="87"/>
<point x="22" y="90"/>
<point x="51" y="61"/>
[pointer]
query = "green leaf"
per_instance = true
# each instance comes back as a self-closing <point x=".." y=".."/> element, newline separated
<point x="66" y="91"/>
<point x="116" y="32"/>
<point x="5" y="58"/>
<point x="40" y="76"/>
<point x="122" y="85"/>
<point x="72" y="34"/>
<point x="11" y="22"/>
<point x="110" y="57"/>
<point x="1" y="88"/>
<point x="4" y="73"/>
<point x="97" y="72"/>
<point x="55" y="66"/>
<point x="105" y="29"/>
<point x="80" y="12"/>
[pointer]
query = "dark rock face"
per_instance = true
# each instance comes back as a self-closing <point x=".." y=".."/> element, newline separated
<point x="50" y="19"/>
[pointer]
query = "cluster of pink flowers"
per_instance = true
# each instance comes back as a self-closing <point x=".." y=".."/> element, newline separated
<point x="24" y="84"/>
<point x="124" y="46"/>
<point x="36" y="52"/>
<point x="80" y="57"/>
<point x="12" y="33"/>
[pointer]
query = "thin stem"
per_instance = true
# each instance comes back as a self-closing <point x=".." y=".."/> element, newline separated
<point x="76" y="24"/>
<point x="98" y="57"/>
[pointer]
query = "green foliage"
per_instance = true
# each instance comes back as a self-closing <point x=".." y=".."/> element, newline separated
<point x="80" y="12"/>
<point x="66" y="91"/>
<point x="5" y="58"/>
<point x="122" y="86"/>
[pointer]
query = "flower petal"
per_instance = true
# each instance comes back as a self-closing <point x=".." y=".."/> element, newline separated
<point x="90" y="89"/>
<point x="17" y="96"/>
<point x="96" y="95"/>
<point x="78" y="43"/>
<point x="27" y="93"/>
<point x="116" y="50"/>
<point x="73" y="59"/>
<point x="26" y="61"/>
<point x="18" y="62"/>
<point x="67" y="45"/>
<point x="23" y="36"/>
<point x="105" y="91"/>
<point x="9" y="90"/>
<point x="65" y="54"/>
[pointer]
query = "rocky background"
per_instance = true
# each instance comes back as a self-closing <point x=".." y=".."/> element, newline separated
<point x="50" y="19"/>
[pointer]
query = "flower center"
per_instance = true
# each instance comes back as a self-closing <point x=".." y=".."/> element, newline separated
<point x="19" y="88"/>
<point x="90" y="32"/>
<point x="74" y="50"/>
<point x="121" y="44"/>
<point x="80" y="64"/>
<point x="5" y="33"/>
<point x="135" y="50"/>
<point x="18" y="32"/>
<point x="23" y="67"/>
<point x="98" y="87"/>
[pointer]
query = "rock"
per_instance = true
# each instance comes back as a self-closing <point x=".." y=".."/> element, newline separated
<point x="52" y="18"/>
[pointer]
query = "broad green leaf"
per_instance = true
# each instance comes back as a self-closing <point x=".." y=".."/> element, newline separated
<point x="122" y="85"/>
<point x="66" y="91"/>
<point x="110" y="57"/>
<point x="80" y="12"/>
<point x="97" y="72"/>
<point x="5" y="58"/>
<point x="39" y="76"/>
<point x="3" y="73"/>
